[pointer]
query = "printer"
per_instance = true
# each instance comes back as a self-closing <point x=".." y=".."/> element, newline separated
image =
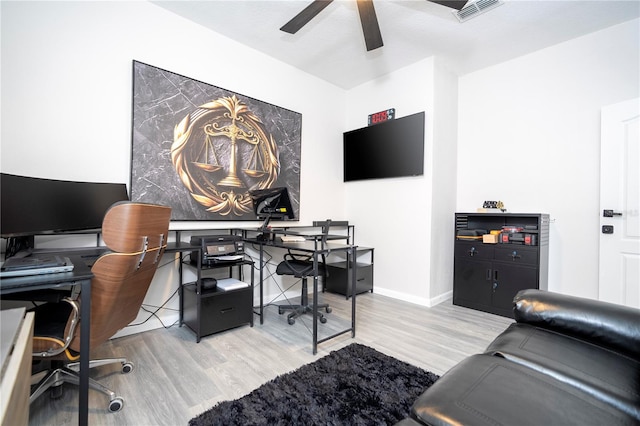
<point x="217" y="248"/>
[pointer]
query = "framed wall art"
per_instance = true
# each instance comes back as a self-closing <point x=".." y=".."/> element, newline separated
<point x="199" y="148"/>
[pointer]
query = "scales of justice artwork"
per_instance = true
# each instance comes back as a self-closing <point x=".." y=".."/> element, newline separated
<point x="199" y="148"/>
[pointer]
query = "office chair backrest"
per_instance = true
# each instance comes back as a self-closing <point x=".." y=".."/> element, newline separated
<point x="137" y="235"/>
<point x="325" y="225"/>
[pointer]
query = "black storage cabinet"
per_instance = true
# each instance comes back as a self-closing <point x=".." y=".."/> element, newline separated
<point x="207" y="312"/>
<point x="339" y="275"/>
<point x="214" y="310"/>
<point x="487" y="276"/>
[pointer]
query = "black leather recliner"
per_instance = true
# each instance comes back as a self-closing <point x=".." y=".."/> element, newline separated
<point x="566" y="360"/>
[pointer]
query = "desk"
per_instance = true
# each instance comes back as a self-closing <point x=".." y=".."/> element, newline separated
<point x="316" y="247"/>
<point x="81" y="275"/>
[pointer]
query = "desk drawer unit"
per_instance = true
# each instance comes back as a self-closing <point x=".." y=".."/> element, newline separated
<point x="339" y="279"/>
<point x="219" y="310"/>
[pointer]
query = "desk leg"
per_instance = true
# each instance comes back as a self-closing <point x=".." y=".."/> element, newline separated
<point x="315" y="303"/>
<point x="180" y="290"/>
<point x="252" y="287"/>
<point x="354" y="274"/>
<point x="261" y="284"/>
<point x="85" y="335"/>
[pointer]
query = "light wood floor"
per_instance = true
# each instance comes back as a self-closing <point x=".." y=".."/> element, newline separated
<point x="176" y="378"/>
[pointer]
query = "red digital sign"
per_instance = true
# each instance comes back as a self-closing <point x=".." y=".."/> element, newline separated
<point x="379" y="117"/>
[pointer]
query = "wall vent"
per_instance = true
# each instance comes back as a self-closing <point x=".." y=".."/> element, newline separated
<point x="476" y="8"/>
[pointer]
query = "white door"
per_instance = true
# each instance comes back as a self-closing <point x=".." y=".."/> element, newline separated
<point x="620" y="204"/>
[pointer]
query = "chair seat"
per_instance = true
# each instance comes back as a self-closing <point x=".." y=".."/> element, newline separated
<point x="50" y="328"/>
<point x="298" y="268"/>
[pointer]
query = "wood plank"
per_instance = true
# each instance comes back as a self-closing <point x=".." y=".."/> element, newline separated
<point x="176" y="378"/>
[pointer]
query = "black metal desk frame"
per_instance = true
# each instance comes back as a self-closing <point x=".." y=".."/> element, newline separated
<point x="81" y="275"/>
<point x="316" y="247"/>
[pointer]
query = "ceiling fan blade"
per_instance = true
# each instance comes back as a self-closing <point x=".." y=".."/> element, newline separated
<point x="302" y="18"/>
<point x="453" y="4"/>
<point x="370" y="27"/>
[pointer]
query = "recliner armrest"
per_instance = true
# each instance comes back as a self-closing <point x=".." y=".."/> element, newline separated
<point x="609" y="325"/>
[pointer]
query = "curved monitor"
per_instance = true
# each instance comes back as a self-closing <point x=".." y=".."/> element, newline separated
<point x="33" y="206"/>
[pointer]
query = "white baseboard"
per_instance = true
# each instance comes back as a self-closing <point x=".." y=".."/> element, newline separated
<point x="168" y="319"/>
<point x="413" y="299"/>
<point x="171" y="317"/>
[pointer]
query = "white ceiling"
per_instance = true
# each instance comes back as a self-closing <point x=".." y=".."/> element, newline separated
<point x="332" y="48"/>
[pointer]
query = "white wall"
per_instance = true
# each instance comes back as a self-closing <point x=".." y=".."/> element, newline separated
<point x="66" y="98"/>
<point x="529" y="135"/>
<point x="444" y="183"/>
<point x="397" y="216"/>
<point x="528" y="130"/>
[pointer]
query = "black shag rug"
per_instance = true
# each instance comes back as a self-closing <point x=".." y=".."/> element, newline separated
<point x="355" y="385"/>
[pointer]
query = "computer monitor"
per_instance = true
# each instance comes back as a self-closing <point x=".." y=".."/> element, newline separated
<point x="34" y="206"/>
<point x="271" y="203"/>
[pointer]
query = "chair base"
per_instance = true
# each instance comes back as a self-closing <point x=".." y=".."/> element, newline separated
<point x="69" y="373"/>
<point x="299" y="310"/>
<point x="303" y="307"/>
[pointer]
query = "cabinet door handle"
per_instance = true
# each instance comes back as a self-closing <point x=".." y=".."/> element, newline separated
<point x="515" y="255"/>
<point x="495" y="276"/>
<point x="488" y="274"/>
<point x="473" y="251"/>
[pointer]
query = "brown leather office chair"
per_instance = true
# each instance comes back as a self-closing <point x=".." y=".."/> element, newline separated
<point x="300" y="265"/>
<point x="136" y="235"/>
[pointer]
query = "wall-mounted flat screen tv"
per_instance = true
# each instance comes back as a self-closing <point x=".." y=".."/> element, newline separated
<point x="393" y="148"/>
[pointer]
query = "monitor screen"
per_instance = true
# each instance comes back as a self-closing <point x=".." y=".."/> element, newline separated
<point x="272" y="203"/>
<point x="33" y="206"/>
<point x="393" y="148"/>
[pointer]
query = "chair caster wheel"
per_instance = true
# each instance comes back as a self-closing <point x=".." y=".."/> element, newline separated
<point x="328" y="309"/>
<point x="323" y="320"/>
<point x="127" y="367"/>
<point x="291" y="321"/>
<point x="56" y="392"/>
<point x="280" y="311"/>
<point x="116" y="404"/>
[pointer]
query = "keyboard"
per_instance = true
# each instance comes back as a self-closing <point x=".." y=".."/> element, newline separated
<point x="35" y="265"/>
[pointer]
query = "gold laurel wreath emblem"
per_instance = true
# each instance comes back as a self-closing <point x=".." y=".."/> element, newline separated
<point x="220" y="151"/>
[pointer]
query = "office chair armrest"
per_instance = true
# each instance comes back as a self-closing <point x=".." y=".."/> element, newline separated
<point x="298" y="256"/>
<point x="68" y="335"/>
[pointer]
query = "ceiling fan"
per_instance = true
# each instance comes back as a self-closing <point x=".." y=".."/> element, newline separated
<point x="368" y="19"/>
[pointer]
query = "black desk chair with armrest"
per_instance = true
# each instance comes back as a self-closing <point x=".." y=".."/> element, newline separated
<point x="137" y="235"/>
<point x="300" y="265"/>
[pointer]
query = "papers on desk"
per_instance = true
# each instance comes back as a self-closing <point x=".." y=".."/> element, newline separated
<point x="292" y="238"/>
<point x="228" y="284"/>
<point x="227" y="258"/>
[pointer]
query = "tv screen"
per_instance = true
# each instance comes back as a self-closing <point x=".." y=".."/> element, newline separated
<point x="393" y="148"/>
<point x="32" y="206"/>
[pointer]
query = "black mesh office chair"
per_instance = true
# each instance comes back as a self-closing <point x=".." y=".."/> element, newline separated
<point x="300" y="265"/>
